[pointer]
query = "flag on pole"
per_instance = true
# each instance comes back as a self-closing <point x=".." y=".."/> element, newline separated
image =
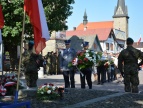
<point x="1" y="22"/>
<point x="1" y="18"/>
<point x="139" y="40"/>
<point x="35" y="11"/>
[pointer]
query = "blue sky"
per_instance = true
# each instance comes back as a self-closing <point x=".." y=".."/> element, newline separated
<point x="103" y="10"/>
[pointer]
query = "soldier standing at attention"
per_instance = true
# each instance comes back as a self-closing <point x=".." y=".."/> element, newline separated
<point x="130" y="57"/>
<point x="51" y="63"/>
<point x="66" y="56"/>
<point x="31" y="62"/>
<point x="48" y="63"/>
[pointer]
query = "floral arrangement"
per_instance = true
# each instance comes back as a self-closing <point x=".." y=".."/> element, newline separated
<point x="101" y="62"/>
<point x="2" y="90"/>
<point x="111" y="62"/>
<point x="9" y="77"/>
<point x="49" y="92"/>
<point x="107" y="64"/>
<point x="85" y="59"/>
<point x="8" y="84"/>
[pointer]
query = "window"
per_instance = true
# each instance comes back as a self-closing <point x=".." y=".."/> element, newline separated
<point x="111" y="47"/>
<point x="94" y="46"/>
<point x="107" y="46"/>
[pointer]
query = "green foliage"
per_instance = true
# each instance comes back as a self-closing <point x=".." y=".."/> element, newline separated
<point x="13" y="15"/>
<point x="102" y="62"/>
<point x="57" y="11"/>
<point x="111" y="62"/>
<point x="47" y="92"/>
<point x="54" y="96"/>
<point x="98" y="56"/>
<point x="86" y="59"/>
<point x="70" y="64"/>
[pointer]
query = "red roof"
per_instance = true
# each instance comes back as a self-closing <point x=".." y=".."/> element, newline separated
<point x="102" y="33"/>
<point x="95" y="25"/>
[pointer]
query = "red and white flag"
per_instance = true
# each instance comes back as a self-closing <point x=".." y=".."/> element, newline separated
<point x="1" y="22"/>
<point x="139" y="40"/>
<point x="1" y="18"/>
<point x="35" y="11"/>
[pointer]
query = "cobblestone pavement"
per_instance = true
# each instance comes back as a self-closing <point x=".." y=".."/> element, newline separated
<point x="117" y="99"/>
<point x="111" y="86"/>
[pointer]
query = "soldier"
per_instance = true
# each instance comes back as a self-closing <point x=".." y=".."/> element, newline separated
<point x="51" y="68"/>
<point x="54" y="63"/>
<point x="48" y="63"/>
<point x="45" y="65"/>
<point x="58" y="63"/>
<point x="129" y="57"/>
<point x="31" y="62"/>
<point x="7" y="61"/>
<point x="66" y="56"/>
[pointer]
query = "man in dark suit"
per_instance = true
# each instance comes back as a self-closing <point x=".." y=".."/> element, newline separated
<point x="66" y="56"/>
<point x="87" y="72"/>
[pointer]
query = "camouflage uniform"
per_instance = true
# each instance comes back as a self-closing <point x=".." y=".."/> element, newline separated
<point x="31" y="63"/>
<point x="54" y="63"/>
<point x="131" y="79"/>
<point x="48" y="63"/>
<point x="51" y="63"/>
<point x="58" y="64"/>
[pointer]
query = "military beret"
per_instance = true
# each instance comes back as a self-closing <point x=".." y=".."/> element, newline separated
<point x="130" y="40"/>
<point x="30" y="45"/>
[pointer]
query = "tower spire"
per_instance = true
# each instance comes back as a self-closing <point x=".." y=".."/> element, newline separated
<point x="121" y="18"/>
<point x="121" y="9"/>
<point x="85" y="21"/>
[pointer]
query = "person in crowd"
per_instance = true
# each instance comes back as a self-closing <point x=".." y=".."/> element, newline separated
<point x="117" y="72"/>
<point x="113" y="75"/>
<point x="66" y="56"/>
<point x="48" y="63"/>
<point x="54" y="63"/>
<point x="101" y="70"/>
<point x="7" y="64"/>
<point x="31" y="63"/>
<point x="45" y="65"/>
<point x="94" y="71"/>
<point x="87" y="72"/>
<point x="108" y="69"/>
<point x="58" y="62"/>
<point x="129" y="57"/>
<point x="51" y="63"/>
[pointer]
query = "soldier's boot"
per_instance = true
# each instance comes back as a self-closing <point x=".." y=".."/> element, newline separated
<point x="127" y="88"/>
<point x="135" y="89"/>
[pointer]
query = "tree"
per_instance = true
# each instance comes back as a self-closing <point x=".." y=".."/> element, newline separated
<point x="57" y="11"/>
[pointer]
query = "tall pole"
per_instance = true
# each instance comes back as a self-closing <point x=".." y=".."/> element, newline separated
<point x="19" y="67"/>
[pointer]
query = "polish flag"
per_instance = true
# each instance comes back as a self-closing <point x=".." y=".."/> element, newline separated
<point x="139" y="41"/>
<point x="1" y="18"/>
<point x="1" y="22"/>
<point x="35" y="11"/>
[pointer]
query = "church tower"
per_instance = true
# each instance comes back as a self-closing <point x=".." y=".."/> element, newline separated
<point x="121" y="17"/>
<point x="85" y="21"/>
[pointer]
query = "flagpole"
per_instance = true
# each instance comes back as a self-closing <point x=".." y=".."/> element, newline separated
<point x="19" y="67"/>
